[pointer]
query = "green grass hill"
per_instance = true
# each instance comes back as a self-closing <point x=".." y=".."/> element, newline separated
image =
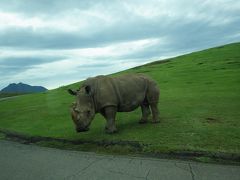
<point x="199" y="106"/>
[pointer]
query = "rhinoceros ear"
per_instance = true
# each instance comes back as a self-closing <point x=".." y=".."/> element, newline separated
<point x="88" y="90"/>
<point x="74" y="93"/>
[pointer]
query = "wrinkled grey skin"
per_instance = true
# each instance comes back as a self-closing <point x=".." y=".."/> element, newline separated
<point x="82" y="110"/>
<point x="109" y="95"/>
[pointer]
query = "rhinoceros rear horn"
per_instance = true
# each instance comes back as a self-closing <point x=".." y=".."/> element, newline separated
<point x="74" y="93"/>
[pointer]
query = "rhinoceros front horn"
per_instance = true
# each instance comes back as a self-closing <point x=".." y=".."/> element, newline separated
<point x="74" y="93"/>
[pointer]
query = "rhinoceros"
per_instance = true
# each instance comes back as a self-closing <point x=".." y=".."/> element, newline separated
<point x="109" y="95"/>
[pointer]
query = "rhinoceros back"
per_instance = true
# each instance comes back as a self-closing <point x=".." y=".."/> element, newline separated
<point x="126" y="92"/>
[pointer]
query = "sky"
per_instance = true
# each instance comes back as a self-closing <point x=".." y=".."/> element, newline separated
<point x="58" y="42"/>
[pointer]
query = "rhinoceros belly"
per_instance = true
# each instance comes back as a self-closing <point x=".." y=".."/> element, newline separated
<point x="128" y="106"/>
<point x="131" y="92"/>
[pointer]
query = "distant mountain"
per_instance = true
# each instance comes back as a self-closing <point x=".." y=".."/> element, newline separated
<point x="22" y="88"/>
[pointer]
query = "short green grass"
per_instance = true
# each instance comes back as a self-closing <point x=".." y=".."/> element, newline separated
<point x="199" y="106"/>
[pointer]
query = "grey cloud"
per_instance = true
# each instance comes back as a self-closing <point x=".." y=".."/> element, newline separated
<point x="15" y="65"/>
<point x="27" y="61"/>
<point x="200" y="35"/>
<point x="28" y="39"/>
<point x="184" y="35"/>
<point x="6" y="72"/>
<point x="127" y="27"/>
<point x="186" y="38"/>
<point x="43" y="6"/>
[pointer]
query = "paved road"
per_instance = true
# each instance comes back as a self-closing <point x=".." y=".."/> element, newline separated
<point x="18" y="161"/>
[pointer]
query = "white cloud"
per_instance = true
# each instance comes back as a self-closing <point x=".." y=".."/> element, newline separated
<point x="114" y="50"/>
<point x="15" y="20"/>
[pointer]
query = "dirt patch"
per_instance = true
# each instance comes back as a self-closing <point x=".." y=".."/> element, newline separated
<point x="26" y="139"/>
<point x="233" y="62"/>
<point x="212" y="120"/>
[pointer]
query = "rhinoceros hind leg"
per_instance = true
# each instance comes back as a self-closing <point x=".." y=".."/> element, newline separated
<point x="145" y="113"/>
<point x="155" y="113"/>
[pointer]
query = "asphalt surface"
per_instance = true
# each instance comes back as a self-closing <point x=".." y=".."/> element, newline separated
<point x="19" y="161"/>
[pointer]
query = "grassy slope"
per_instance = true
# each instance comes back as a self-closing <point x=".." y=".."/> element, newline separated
<point x="199" y="107"/>
<point x="5" y="95"/>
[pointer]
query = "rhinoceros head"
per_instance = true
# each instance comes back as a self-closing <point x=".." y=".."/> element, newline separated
<point x="82" y="110"/>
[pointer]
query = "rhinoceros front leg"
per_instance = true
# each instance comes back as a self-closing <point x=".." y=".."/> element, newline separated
<point x="145" y="113"/>
<point x="110" y="113"/>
